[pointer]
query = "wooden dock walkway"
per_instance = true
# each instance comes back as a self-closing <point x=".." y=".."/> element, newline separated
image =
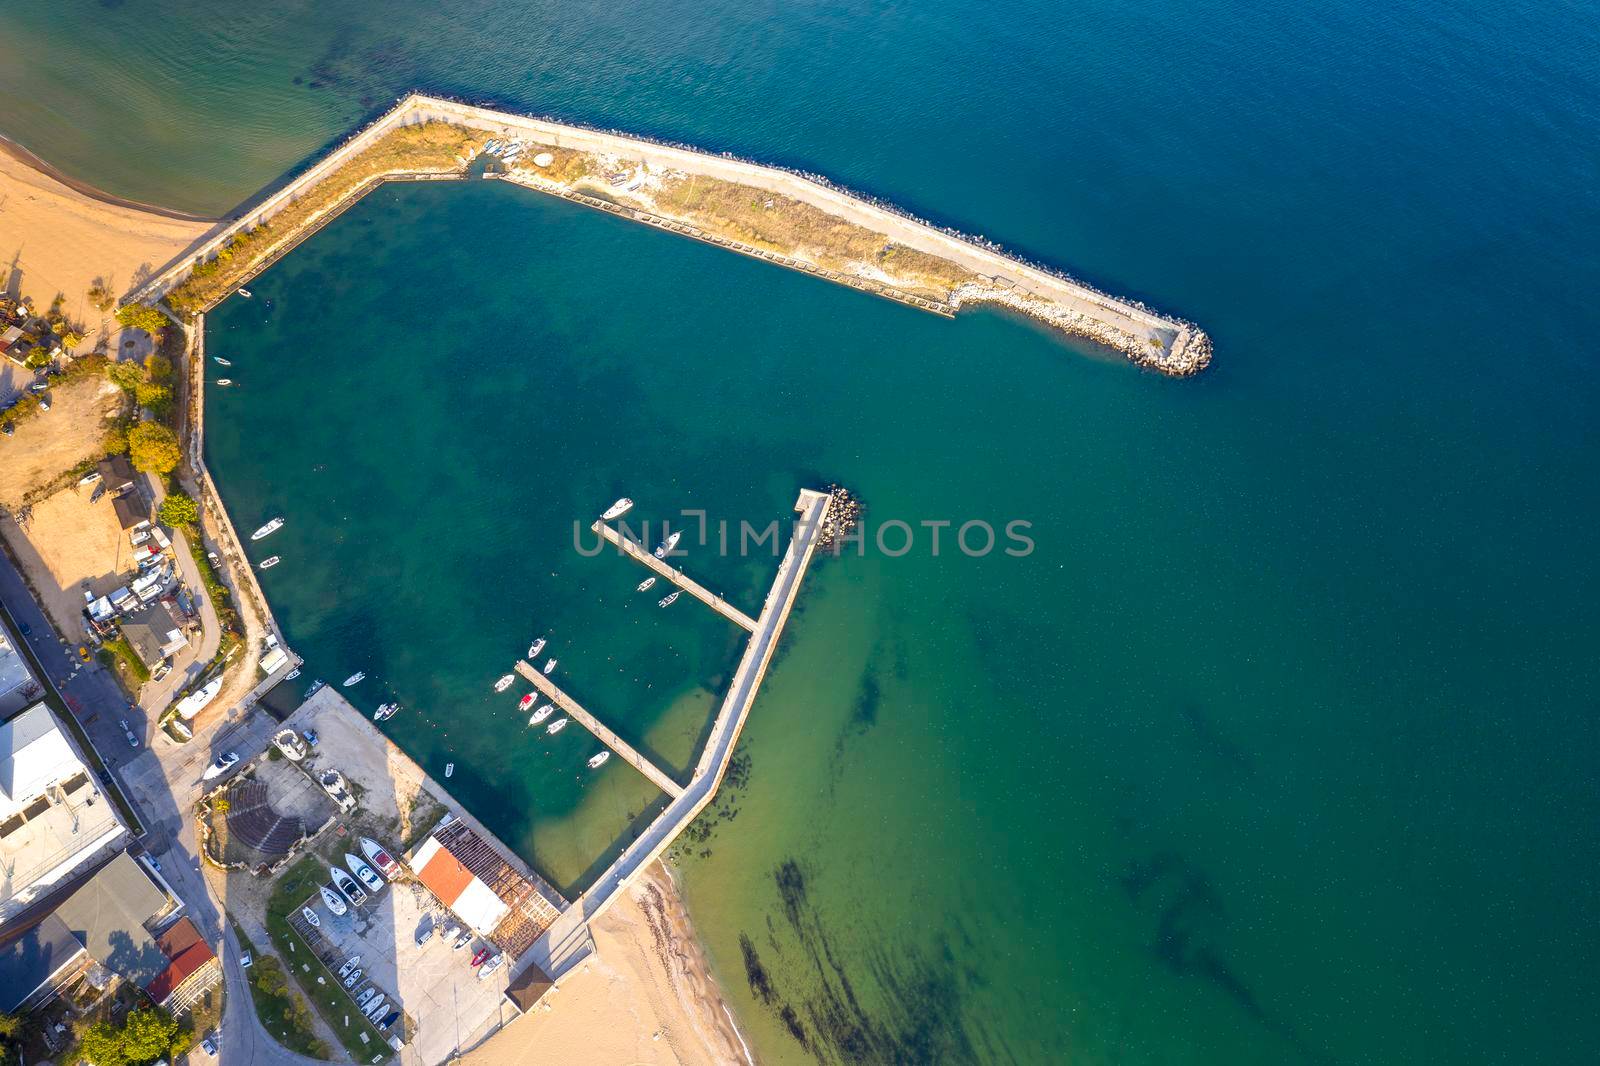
<point x="567" y="942"/>
<point x="575" y="710"/>
<point x="677" y="577"/>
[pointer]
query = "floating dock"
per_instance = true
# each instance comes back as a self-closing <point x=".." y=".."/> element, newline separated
<point x="677" y="577"/>
<point x="567" y="942"/>
<point x="577" y="713"/>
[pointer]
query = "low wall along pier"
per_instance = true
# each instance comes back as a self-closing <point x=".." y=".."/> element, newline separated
<point x="937" y="271"/>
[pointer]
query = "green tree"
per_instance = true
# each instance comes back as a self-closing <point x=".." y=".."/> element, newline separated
<point x="153" y="448"/>
<point x="156" y="398"/>
<point x="158" y="368"/>
<point x="115" y="442"/>
<point x="70" y="339"/>
<point x="38" y="356"/>
<point x="178" y="510"/>
<point x="102" y="1045"/>
<point x="151" y="1033"/>
<point x="142" y="316"/>
<point x="126" y="376"/>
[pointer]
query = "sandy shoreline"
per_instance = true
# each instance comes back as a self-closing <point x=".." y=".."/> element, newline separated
<point x="57" y="235"/>
<point x="647" y="995"/>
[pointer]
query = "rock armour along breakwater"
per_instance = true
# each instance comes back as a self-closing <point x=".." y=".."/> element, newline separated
<point x="969" y="271"/>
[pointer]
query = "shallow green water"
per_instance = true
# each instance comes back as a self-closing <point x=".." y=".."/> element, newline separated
<point x="1280" y="745"/>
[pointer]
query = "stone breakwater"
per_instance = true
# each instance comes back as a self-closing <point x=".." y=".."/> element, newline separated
<point x="954" y="269"/>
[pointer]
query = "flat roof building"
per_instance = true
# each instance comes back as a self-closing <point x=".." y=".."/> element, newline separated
<point x="54" y="820"/>
<point x="17" y="685"/>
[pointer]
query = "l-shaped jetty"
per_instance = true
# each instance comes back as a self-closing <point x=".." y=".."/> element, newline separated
<point x="793" y="220"/>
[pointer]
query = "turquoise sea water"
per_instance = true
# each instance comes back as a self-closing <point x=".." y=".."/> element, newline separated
<point x="1280" y="745"/>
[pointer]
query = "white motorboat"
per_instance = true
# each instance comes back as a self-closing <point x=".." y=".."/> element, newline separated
<point x="668" y="544"/>
<point x="504" y="683"/>
<point x="355" y="678"/>
<point x="221" y="361"/>
<point x="385" y="712"/>
<point x="617" y="510"/>
<point x="449" y="769"/>
<point x="599" y="760"/>
<point x="335" y="904"/>
<point x="549" y="666"/>
<point x="379" y="857"/>
<point x="243" y="292"/>
<point x="292" y="674"/>
<point x="541" y="714"/>
<point x="667" y="601"/>
<point x="365" y="874"/>
<point x="310" y="916"/>
<point x="347" y="884"/>
<point x="556" y="726"/>
<point x="349" y="964"/>
<point x="527" y="701"/>
<point x="644" y="585"/>
<point x="268" y="564"/>
<point x="535" y="648"/>
<point x="316" y="686"/>
<point x="224" y="381"/>
<point x="268" y="529"/>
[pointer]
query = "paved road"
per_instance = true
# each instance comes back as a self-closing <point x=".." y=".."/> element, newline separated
<point x="163" y="782"/>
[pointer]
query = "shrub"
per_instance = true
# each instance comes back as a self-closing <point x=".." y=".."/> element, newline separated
<point x="142" y="316"/>
<point x="153" y="448"/>
<point x="178" y="510"/>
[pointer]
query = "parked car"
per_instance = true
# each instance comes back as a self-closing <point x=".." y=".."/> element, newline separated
<point x="133" y="741"/>
<point x="224" y="762"/>
<point x="209" y="1046"/>
<point x="246" y="960"/>
<point x="311" y="737"/>
<point x="162" y="670"/>
<point x="424" y="934"/>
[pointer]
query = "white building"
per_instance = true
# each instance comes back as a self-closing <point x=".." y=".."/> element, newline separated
<point x="54" y="819"/>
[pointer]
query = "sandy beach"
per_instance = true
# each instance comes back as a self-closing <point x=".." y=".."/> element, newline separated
<point x="646" y="996"/>
<point x="55" y="237"/>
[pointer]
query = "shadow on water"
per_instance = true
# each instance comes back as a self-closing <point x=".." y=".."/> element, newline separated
<point x="915" y="1010"/>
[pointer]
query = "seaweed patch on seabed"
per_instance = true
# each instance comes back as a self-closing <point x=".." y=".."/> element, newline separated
<point x="1189" y="918"/>
<point x="919" y="1015"/>
<point x="724" y="808"/>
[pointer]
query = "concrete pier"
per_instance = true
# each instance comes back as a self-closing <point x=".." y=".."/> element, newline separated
<point x="677" y="577"/>
<point x="576" y="711"/>
<point x="567" y="941"/>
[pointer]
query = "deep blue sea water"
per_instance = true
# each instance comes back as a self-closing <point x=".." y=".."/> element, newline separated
<point x="1281" y="745"/>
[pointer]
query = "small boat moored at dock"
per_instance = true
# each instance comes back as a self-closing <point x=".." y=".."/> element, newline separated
<point x="449" y="769"/>
<point x="644" y="585"/>
<point x="668" y="544"/>
<point x="549" y="666"/>
<point x="541" y="714"/>
<point x="268" y="529"/>
<point x="617" y="510"/>
<point x="667" y="601"/>
<point x="385" y="712"/>
<point x="535" y="648"/>
<point x="598" y="761"/>
<point x="221" y="361"/>
<point x="355" y="678"/>
<point x="268" y="564"/>
<point x="224" y="381"/>
<point x="504" y="683"/>
<point x="556" y="726"/>
<point x="243" y="292"/>
<point x="527" y="701"/>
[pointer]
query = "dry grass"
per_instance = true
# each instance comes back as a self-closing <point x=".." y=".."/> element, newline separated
<point x="71" y="545"/>
<point x="53" y="442"/>
<point x="431" y="147"/>
<point x="781" y="224"/>
<point x="569" y="165"/>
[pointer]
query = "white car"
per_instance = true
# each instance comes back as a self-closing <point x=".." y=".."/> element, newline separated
<point x="224" y="762"/>
<point x="209" y="1046"/>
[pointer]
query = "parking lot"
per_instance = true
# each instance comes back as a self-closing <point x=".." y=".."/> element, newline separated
<point x="443" y="1003"/>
